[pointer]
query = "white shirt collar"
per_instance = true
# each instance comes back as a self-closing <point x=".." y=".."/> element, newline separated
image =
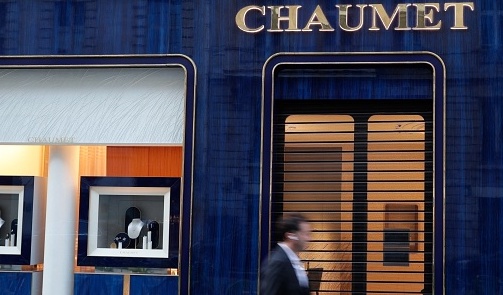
<point x="289" y="252"/>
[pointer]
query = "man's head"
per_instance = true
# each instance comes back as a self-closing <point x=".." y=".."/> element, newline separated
<point x="295" y="231"/>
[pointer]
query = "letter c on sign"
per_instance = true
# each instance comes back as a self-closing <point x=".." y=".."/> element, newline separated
<point x="241" y="18"/>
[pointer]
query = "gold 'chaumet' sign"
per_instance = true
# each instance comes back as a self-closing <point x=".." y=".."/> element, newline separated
<point x="285" y="18"/>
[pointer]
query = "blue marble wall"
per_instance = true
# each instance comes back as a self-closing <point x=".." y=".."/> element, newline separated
<point x="153" y="285"/>
<point x="114" y="284"/>
<point x="225" y="216"/>
<point x="98" y="284"/>
<point x="15" y="283"/>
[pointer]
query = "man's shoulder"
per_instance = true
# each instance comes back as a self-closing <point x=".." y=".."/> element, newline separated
<point x="279" y="254"/>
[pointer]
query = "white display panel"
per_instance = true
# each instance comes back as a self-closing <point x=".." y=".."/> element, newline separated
<point x="107" y="209"/>
<point x="127" y="105"/>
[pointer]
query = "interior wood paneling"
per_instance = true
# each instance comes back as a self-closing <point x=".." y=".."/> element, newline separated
<point x="144" y="161"/>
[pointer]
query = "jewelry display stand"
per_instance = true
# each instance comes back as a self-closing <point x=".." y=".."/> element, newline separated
<point x="133" y="213"/>
<point x="22" y="219"/>
<point x="129" y="222"/>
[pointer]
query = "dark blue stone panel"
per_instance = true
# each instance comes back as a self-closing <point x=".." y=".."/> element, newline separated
<point x="353" y="82"/>
<point x="15" y="283"/>
<point x="153" y="285"/>
<point x="98" y="284"/>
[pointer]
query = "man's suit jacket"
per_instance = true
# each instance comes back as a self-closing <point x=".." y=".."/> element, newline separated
<point x="278" y="276"/>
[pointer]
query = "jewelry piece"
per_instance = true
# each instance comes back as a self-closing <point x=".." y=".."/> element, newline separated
<point x="153" y="228"/>
<point x="13" y="232"/>
<point x="1" y="220"/>
<point x="13" y="226"/>
<point x="123" y="239"/>
<point x="134" y="228"/>
<point x="131" y="213"/>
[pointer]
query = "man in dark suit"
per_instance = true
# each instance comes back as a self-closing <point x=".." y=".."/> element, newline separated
<point x="283" y="273"/>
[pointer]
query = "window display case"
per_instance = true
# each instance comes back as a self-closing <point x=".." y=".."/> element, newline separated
<point x="129" y="222"/>
<point x="22" y="219"/>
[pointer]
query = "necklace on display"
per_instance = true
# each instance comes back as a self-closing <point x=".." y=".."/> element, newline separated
<point x="1" y="220"/>
<point x="134" y="228"/>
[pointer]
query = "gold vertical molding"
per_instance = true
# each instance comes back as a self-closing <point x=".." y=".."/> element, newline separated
<point x="45" y="159"/>
<point x="126" y="284"/>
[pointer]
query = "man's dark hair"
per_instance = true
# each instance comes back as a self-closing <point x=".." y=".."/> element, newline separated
<point x="288" y="224"/>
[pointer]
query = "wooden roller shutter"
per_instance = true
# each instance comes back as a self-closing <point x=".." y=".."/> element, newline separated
<point x="361" y="172"/>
